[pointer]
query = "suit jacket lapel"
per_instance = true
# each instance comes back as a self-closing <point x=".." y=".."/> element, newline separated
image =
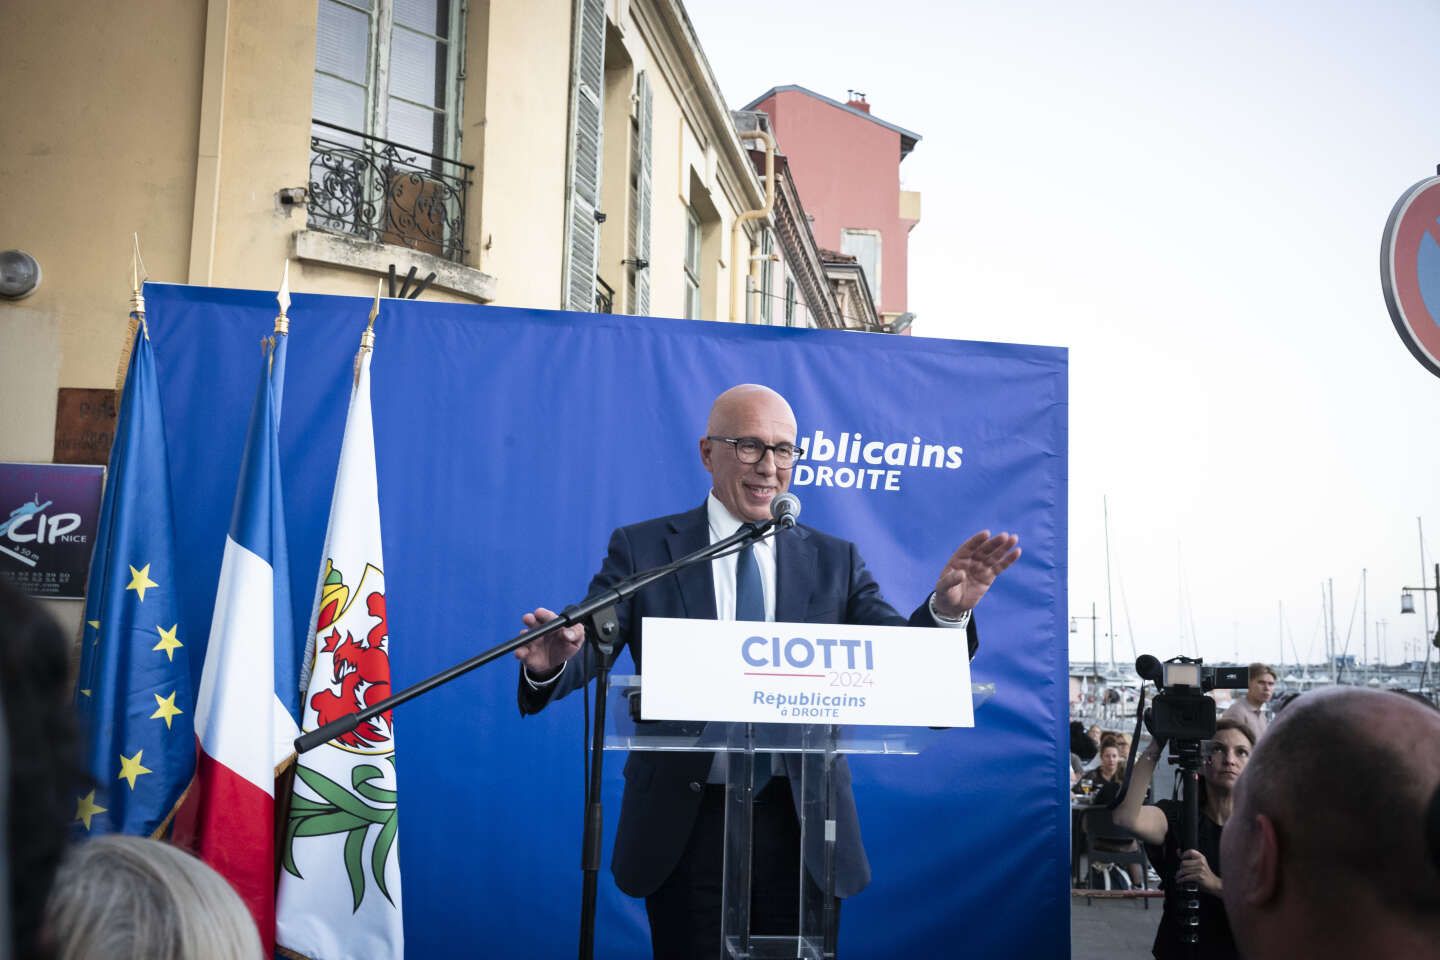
<point x="691" y="532"/>
<point x="794" y="566"/>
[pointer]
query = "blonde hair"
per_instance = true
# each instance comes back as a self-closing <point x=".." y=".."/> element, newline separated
<point x="119" y="896"/>
<point x="1258" y="670"/>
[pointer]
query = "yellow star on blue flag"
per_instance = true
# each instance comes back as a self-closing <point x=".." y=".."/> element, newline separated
<point x="140" y="581"/>
<point x="168" y="643"/>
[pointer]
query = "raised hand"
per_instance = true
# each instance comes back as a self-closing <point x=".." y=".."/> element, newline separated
<point x="971" y="569"/>
<point x="544" y="656"/>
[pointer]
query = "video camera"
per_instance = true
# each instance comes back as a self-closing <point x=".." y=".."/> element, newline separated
<point x="1181" y="711"/>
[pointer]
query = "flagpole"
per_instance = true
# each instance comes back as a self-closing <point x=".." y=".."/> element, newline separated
<point x="137" y="316"/>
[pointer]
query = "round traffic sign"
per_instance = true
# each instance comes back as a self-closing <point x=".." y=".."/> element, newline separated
<point x="1410" y="270"/>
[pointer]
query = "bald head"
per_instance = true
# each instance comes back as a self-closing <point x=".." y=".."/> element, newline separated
<point x="741" y="402"/>
<point x="1329" y="820"/>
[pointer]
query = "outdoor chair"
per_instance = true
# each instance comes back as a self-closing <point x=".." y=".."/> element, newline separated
<point x="1101" y="834"/>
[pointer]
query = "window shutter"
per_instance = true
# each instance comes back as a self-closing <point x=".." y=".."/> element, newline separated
<point x="587" y="92"/>
<point x="642" y="192"/>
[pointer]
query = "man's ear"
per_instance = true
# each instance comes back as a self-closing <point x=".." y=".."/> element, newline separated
<point x="705" y="452"/>
<point x="1264" y="857"/>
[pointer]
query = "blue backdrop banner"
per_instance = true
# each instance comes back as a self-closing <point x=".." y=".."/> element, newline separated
<point x="511" y="442"/>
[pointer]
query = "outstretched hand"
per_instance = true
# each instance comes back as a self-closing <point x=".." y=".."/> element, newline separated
<point x="971" y="570"/>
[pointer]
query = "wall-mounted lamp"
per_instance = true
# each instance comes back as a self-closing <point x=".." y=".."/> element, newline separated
<point x="19" y="274"/>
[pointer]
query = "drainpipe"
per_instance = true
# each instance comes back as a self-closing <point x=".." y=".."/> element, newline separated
<point x="737" y="229"/>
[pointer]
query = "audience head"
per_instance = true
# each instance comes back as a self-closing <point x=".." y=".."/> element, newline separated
<point x="1227" y="755"/>
<point x="1262" y="683"/>
<point x="1325" y="854"/>
<point x="1110" y="760"/>
<point x="120" y="897"/>
<point x="1094" y="734"/>
<point x="1117" y="740"/>
<point x="45" y="772"/>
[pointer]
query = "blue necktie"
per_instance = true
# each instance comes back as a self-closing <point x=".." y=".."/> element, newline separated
<point x="750" y="605"/>
<point x="749" y="596"/>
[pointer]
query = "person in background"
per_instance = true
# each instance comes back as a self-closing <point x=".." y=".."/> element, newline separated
<point x="1159" y="827"/>
<point x="46" y="773"/>
<point x="1104" y="781"/>
<point x="1327" y="852"/>
<point x="1095" y="734"/>
<point x="1250" y="709"/>
<point x="119" y="897"/>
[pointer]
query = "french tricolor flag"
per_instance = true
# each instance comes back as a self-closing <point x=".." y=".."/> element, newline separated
<point x="245" y="714"/>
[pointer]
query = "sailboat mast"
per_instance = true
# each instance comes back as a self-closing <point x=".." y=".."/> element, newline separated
<point x="1334" y="671"/>
<point x="1424" y="594"/>
<point x="1324" y="618"/>
<point x="1109" y="597"/>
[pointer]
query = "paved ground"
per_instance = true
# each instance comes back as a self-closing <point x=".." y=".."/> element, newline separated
<point x="1112" y="929"/>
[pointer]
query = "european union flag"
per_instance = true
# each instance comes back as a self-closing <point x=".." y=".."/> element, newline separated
<point x="134" y="692"/>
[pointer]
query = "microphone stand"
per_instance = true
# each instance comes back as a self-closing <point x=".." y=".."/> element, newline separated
<point x="603" y="626"/>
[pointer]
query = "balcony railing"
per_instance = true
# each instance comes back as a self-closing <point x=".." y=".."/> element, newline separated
<point x="386" y="192"/>
<point x="604" y="296"/>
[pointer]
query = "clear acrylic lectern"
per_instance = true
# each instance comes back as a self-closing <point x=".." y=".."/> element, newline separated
<point x="806" y="750"/>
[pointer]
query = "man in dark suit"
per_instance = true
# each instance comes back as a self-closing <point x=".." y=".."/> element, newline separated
<point x="668" y="845"/>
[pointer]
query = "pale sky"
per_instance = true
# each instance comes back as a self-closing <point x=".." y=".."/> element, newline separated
<point x="1190" y="197"/>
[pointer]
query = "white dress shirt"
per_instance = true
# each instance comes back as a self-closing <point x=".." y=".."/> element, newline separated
<point x="722" y="524"/>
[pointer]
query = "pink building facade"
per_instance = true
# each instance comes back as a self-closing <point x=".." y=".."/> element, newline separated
<point x="846" y="164"/>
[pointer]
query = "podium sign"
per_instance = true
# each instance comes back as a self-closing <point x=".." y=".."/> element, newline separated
<point x="762" y="672"/>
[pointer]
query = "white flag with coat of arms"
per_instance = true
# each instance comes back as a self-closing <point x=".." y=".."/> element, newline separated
<point x="340" y="880"/>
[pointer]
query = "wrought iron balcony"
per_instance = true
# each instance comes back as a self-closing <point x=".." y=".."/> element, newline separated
<point x="604" y="296"/>
<point x="386" y="192"/>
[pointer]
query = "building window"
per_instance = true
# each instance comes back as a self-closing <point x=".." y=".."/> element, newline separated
<point x="864" y="246"/>
<point x="692" y="265"/>
<point x="386" y="111"/>
<point x="789" y="302"/>
<point x="387" y="68"/>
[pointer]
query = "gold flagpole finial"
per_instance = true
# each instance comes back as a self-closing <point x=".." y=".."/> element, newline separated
<point x="137" y="316"/>
<point x="282" y="322"/>
<point x="367" y="339"/>
<point x="137" y="277"/>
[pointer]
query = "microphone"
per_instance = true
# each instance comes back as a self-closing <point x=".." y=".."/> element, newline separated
<point x="1149" y="669"/>
<point x="784" y="509"/>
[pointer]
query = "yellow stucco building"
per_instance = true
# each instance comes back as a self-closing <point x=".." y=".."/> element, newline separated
<point x="562" y="154"/>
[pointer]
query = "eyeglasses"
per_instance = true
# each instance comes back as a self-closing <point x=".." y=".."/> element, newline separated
<point x="752" y="450"/>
